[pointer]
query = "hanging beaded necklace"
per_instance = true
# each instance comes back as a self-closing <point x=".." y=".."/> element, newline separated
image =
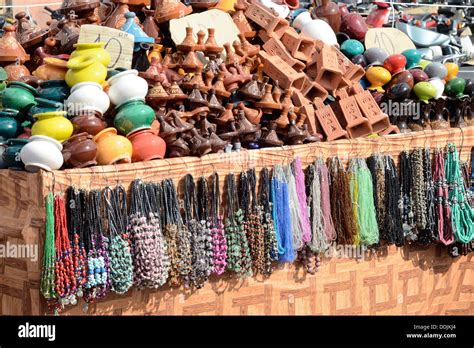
<point x="47" y="287"/>
<point x="97" y="256"/>
<point x="406" y="201"/>
<point x="376" y="166"/>
<point x="76" y="214"/>
<point x="281" y="215"/>
<point x="66" y="283"/>
<point x="254" y="225"/>
<point x="238" y="254"/>
<point x="121" y="264"/>
<point x="418" y="190"/>
<point x="219" y="242"/>
<point x="341" y="204"/>
<point x="393" y="220"/>
<point x="427" y="235"/>
<point x="177" y="236"/>
<point x="462" y="215"/>
<point x="318" y="242"/>
<point x="271" y="243"/>
<point x="442" y="208"/>
<point x="299" y="234"/>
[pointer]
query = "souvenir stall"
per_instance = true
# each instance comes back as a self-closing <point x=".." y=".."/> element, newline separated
<point x="284" y="165"/>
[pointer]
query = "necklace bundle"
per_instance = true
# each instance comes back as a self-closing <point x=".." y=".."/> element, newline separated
<point x="121" y="263"/>
<point x="376" y="165"/>
<point x="392" y="223"/>
<point x="254" y="225"/>
<point x="238" y="254"/>
<point x="406" y="202"/>
<point x="49" y="256"/>
<point x="64" y="268"/>
<point x="281" y="215"/>
<point x="427" y="235"/>
<point x="418" y="190"/>
<point x="219" y="241"/>
<point x="177" y="236"/>
<point x="302" y="202"/>
<point x="200" y="235"/>
<point x="341" y="204"/>
<point x="96" y="246"/>
<point x="363" y="201"/>
<point x="299" y="233"/>
<point x="271" y="243"/>
<point x="442" y="208"/>
<point x="149" y="249"/>
<point x="462" y="215"/>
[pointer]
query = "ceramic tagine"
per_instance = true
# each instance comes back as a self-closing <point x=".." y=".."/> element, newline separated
<point x="10" y="48"/>
<point x="131" y="27"/>
<point x="16" y="71"/>
<point x="42" y="152"/>
<point x="112" y="148"/>
<point x="330" y="11"/>
<point x="170" y="9"/>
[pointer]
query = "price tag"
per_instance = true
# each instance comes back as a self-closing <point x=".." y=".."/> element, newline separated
<point x="391" y="40"/>
<point x="118" y="43"/>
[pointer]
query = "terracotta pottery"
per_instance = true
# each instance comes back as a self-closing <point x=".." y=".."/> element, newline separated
<point x="79" y="5"/>
<point x="330" y="11"/>
<point x="132" y="116"/>
<point x="170" y="9"/>
<point x="203" y="4"/>
<point x="241" y="21"/>
<point x="156" y="53"/>
<point x="27" y="33"/>
<point x="19" y="96"/>
<point x="80" y="151"/>
<point x="11" y="155"/>
<point x="419" y="75"/>
<point x="53" y="124"/>
<point x="10" y="48"/>
<point x="117" y="19"/>
<point x="353" y="24"/>
<point x="395" y="63"/>
<point x="88" y="122"/>
<point x="51" y="69"/>
<point x="150" y="27"/>
<point x="112" y="148"/>
<point x="87" y="96"/>
<point x="16" y="71"/>
<point x="68" y="34"/>
<point x="147" y="145"/>
<point x="42" y="152"/>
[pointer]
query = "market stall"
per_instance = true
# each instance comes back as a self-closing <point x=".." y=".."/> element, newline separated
<point x="294" y="163"/>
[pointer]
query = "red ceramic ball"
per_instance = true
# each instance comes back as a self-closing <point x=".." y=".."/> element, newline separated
<point x="395" y="63"/>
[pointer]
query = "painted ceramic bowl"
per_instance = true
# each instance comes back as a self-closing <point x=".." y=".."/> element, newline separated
<point x="452" y="69"/>
<point x="413" y="57"/>
<point x="424" y="91"/>
<point x="352" y="48"/>
<point x="436" y="70"/>
<point x="455" y="87"/>
<point x="395" y="63"/>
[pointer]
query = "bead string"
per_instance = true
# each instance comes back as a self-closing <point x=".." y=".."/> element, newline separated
<point x="406" y="202"/>
<point x="49" y="256"/>
<point x="219" y="241"/>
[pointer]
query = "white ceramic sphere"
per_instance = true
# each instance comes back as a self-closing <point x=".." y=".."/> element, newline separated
<point x="319" y="30"/>
<point x="126" y="86"/>
<point x="87" y="96"/>
<point x="438" y="84"/>
<point x="42" y="152"/>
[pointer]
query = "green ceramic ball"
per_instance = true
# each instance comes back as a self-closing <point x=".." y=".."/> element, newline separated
<point x="352" y="48"/>
<point x="424" y="91"/>
<point x="455" y="87"/>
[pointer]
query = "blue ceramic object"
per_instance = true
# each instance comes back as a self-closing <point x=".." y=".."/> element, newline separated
<point x="11" y="155"/>
<point x="413" y="57"/>
<point x="56" y="90"/>
<point x="9" y="125"/>
<point x="352" y="48"/>
<point x="44" y="105"/>
<point x="133" y="28"/>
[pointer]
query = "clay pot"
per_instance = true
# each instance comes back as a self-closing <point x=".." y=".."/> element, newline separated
<point x="112" y="148"/>
<point x="436" y="70"/>
<point x="80" y="151"/>
<point x="56" y="90"/>
<point x="378" y="77"/>
<point x="354" y="25"/>
<point x="352" y="48"/>
<point x="87" y="97"/>
<point x="51" y="69"/>
<point x="89" y="123"/>
<point x="330" y="11"/>
<point x="419" y="75"/>
<point x="395" y="63"/>
<point x="126" y="86"/>
<point x="117" y="19"/>
<point x="399" y="91"/>
<point x="44" y="105"/>
<point x="9" y="125"/>
<point x="375" y="56"/>
<point x="53" y="124"/>
<point x="150" y="27"/>
<point x="19" y="96"/>
<point x="170" y="9"/>
<point x="147" y="145"/>
<point x="16" y="71"/>
<point x="42" y="152"/>
<point x="438" y="85"/>
<point x="10" y="48"/>
<point x="87" y="68"/>
<point x="132" y="116"/>
<point x="11" y="155"/>
<point x="95" y="49"/>
<point x="413" y="57"/>
<point x="455" y="87"/>
<point x="424" y="91"/>
<point x="452" y="69"/>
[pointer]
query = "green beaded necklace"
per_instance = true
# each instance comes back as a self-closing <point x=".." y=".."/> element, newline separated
<point x="47" y="277"/>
